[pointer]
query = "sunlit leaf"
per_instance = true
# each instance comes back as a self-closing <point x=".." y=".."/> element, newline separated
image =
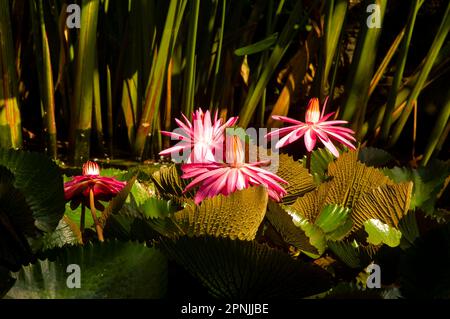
<point x="298" y="177"/>
<point x="351" y="179"/>
<point x="380" y="233"/>
<point x="314" y="233"/>
<point x="168" y="182"/>
<point x="320" y="158"/>
<point x="388" y="203"/>
<point x="284" y="225"/>
<point x="332" y="217"/>
<point x="237" y="215"/>
<point x="157" y="208"/>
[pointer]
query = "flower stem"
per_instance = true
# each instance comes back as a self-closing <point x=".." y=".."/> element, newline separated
<point x="82" y="218"/>
<point x="94" y="216"/>
<point x="308" y="161"/>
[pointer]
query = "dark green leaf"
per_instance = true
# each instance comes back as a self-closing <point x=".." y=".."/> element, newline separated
<point x="257" y="46"/>
<point x="40" y="182"/>
<point x="372" y="156"/>
<point x="284" y="225"/>
<point x="108" y="270"/>
<point x="235" y="269"/>
<point x="425" y="267"/>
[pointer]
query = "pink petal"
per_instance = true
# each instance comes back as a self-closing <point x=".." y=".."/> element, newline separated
<point x="203" y="176"/>
<point x="286" y="119"/>
<point x="280" y="132"/>
<point x="292" y="137"/>
<point x="324" y="106"/>
<point x="241" y="181"/>
<point x="232" y="181"/>
<point x="267" y="173"/>
<point x="310" y="140"/>
<point x="326" y="123"/>
<point x="231" y="122"/>
<point x="174" y="136"/>
<point x="217" y="186"/>
<point x="338" y="129"/>
<point x="341" y="138"/>
<point x="174" y="149"/>
<point x="326" y="117"/>
<point x="186" y="120"/>
<point x="200" y="195"/>
<point x="330" y="146"/>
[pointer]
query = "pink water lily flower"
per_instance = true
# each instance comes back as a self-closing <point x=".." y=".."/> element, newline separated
<point x="203" y="137"/>
<point x="89" y="189"/>
<point x="104" y="188"/>
<point x="315" y="127"/>
<point x="235" y="174"/>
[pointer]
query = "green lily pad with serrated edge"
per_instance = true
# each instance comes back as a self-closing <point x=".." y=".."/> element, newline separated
<point x="380" y="233"/>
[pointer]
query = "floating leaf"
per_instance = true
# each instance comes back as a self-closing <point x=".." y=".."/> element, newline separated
<point x="284" y="225"/>
<point x="298" y="177"/>
<point x="352" y="179"/>
<point x="380" y="233"/>
<point x="348" y="252"/>
<point x="365" y="190"/>
<point x="157" y="208"/>
<point x="237" y="215"/>
<point x="320" y="159"/>
<point x="108" y="270"/>
<point x="39" y="180"/>
<point x="310" y="205"/>
<point x="334" y="219"/>
<point x="429" y="183"/>
<point x="29" y="204"/>
<point x="6" y="281"/>
<point x="235" y="269"/>
<point x="118" y="201"/>
<point x="353" y="291"/>
<point x="372" y="156"/>
<point x="409" y="228"/>
<point x="67" y="233"/>
<point x="316" y="237"/>
<point x="388" y="203"/>
<point x="168" y="182"/>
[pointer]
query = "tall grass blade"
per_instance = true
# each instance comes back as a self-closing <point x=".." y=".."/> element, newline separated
<point x="398" y="77"/>
<point x="283" y="43"/>
<point x="336" y="15"/>
<point x="157" y="76"/>
<point x="431" y="56"/>
<point x="438" y="130"/>
<point x="218" y="56"/>
<point x="189" y="75"/>
<point x="10" y="120"/>
<point x="362" y="68"/>
<point x="84" y="74"/>
<point x="386" y="60"/>
<point x="109" y="114"/>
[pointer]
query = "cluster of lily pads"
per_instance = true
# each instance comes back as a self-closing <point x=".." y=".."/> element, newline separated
<point x="242" y="237"/>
